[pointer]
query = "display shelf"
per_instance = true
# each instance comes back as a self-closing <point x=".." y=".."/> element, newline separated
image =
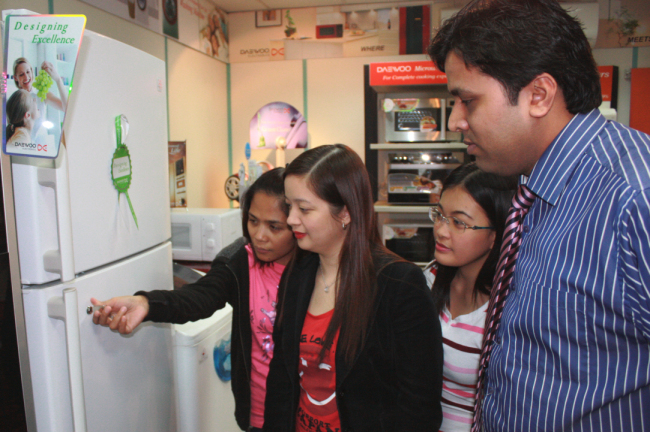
<point x="419" y="146"/>
<point x="385" y="207"/>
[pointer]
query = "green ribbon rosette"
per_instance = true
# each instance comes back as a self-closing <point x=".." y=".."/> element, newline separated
<point x="121" y="169"/>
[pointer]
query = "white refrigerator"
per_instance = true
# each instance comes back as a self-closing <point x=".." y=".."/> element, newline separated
<point x="77" y="238"/>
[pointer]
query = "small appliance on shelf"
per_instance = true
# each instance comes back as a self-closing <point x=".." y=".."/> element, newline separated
<point x="415" y="177"/>
<point x="198" y="234"/>
<point x="415" y="119"/>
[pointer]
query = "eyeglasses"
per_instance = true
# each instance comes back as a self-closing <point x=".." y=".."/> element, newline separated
<point x="457" y="226"/>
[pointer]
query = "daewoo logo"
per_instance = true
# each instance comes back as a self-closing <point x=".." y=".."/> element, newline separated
<point x="389" y="69"/>
<point x="276" y="51"/>
<point x="42" y="147"/>
<point x="254" y="51"/>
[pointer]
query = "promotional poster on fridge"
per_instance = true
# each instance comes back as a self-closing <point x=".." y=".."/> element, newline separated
<point x="40" y="53"/>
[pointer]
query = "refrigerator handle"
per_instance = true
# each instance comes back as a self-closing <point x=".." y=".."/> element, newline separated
<point x="65" y="308"/>
<point x="61" y="261"/>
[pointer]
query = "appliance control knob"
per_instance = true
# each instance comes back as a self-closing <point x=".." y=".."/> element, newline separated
<point x="210" y="244"/>
<point x="209" y="227"/>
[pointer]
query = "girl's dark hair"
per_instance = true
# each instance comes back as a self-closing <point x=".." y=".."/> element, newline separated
<point x="272" y="184"/>
<point x="494" y="194"/>
<point x="17" y="106"/>
<point x="514" y="41"/>
<point x="336" y="174"/>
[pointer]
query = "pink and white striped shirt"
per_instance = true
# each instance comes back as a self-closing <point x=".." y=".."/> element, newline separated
<point x="462" y="338"/>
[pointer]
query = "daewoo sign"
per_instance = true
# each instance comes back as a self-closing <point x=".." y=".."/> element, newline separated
<point x="254" y="52"/>
<point x="390" y="69"/>
<point x="405" y="73"/>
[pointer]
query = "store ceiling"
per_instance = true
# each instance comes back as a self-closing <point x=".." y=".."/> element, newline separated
<point x="249" y="5"/>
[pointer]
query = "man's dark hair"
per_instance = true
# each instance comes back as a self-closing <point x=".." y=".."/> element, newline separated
<point x="514" y="41"/>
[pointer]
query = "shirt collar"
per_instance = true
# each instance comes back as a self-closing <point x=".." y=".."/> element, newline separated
<point x="553" y="170"/>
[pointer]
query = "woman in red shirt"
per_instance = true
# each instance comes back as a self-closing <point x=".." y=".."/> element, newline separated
<point x="357" y="342"/>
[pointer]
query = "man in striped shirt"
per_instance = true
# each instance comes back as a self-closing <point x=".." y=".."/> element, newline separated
<point x="572" y="351"/>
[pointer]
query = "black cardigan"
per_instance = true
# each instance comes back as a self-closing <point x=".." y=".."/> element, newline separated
<point x="394" y="383"/>
<point x="226" y="282"/>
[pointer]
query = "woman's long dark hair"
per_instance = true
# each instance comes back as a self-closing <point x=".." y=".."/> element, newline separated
<point x="18" y="106"/>
<point x="494" y="194"/>
<point x="336" y="174"/>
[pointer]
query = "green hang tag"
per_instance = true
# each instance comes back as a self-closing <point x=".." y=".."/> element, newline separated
<point x="121" y="168"/>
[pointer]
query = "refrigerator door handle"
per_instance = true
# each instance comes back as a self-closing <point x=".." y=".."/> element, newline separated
<point x="61" y="261"/>
<point x="66" y="308"/>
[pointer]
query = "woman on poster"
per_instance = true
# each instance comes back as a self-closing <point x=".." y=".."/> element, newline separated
<point x="24" y="79"/>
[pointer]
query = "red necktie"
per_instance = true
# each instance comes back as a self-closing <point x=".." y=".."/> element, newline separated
<point x="521" y="203"/>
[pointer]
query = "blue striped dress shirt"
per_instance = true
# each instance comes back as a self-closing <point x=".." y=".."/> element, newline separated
<point x="573" y="348"/>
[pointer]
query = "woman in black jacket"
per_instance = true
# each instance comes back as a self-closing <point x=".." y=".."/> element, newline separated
<point x="357" y="340"/>
<point x="246" y="275"/>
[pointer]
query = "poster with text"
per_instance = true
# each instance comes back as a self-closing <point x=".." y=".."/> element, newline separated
<point x="278" y="125"/>
<point x="199" y="24"/>
<point x="623" y="24"/>
<point x="329" y="32"/>
<point x="146" y="13"/>
<point x="39" y="61"/>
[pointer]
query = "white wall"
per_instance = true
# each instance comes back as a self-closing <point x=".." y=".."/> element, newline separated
<point x="198" y="114"/>
<point x="254" y="85"/>
<point x="114" y="27"/>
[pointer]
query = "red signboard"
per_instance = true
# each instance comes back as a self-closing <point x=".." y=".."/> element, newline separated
<point x="405" y="73"/>
<point x="606" y="81"/>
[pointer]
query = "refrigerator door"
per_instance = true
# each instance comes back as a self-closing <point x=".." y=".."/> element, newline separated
<point x="127" y="380"/>
<point x="111" y="79"/>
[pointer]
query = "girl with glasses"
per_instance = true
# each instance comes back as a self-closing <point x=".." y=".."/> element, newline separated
<point x="468" y="226"/>
<point x="357" y="341"/>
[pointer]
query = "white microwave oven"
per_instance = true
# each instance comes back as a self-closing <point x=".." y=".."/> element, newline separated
<point x="198" y="234"/>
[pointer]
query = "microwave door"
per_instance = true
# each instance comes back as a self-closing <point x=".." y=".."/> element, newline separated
<point x="186" y="237"/>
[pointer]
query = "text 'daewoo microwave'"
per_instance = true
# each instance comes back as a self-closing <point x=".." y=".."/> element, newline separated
<point x="198" y="234"/>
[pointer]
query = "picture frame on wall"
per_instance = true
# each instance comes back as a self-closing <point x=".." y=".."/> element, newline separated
<point x="268" y="18"/>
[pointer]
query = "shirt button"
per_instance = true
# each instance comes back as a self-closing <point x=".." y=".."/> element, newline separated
<point x="526" y="228"/>
<point x="497" y="339"/>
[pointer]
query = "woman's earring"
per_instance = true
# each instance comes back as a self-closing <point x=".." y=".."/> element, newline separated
<point x="344" y="226"/>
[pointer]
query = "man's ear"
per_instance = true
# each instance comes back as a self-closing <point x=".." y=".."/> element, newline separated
<point x="541" y="93"/>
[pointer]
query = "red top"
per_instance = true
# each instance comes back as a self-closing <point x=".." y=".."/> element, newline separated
<point x="317" y="411"/>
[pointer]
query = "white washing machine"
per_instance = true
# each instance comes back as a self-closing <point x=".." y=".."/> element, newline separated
<point x="204" y="400"/>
